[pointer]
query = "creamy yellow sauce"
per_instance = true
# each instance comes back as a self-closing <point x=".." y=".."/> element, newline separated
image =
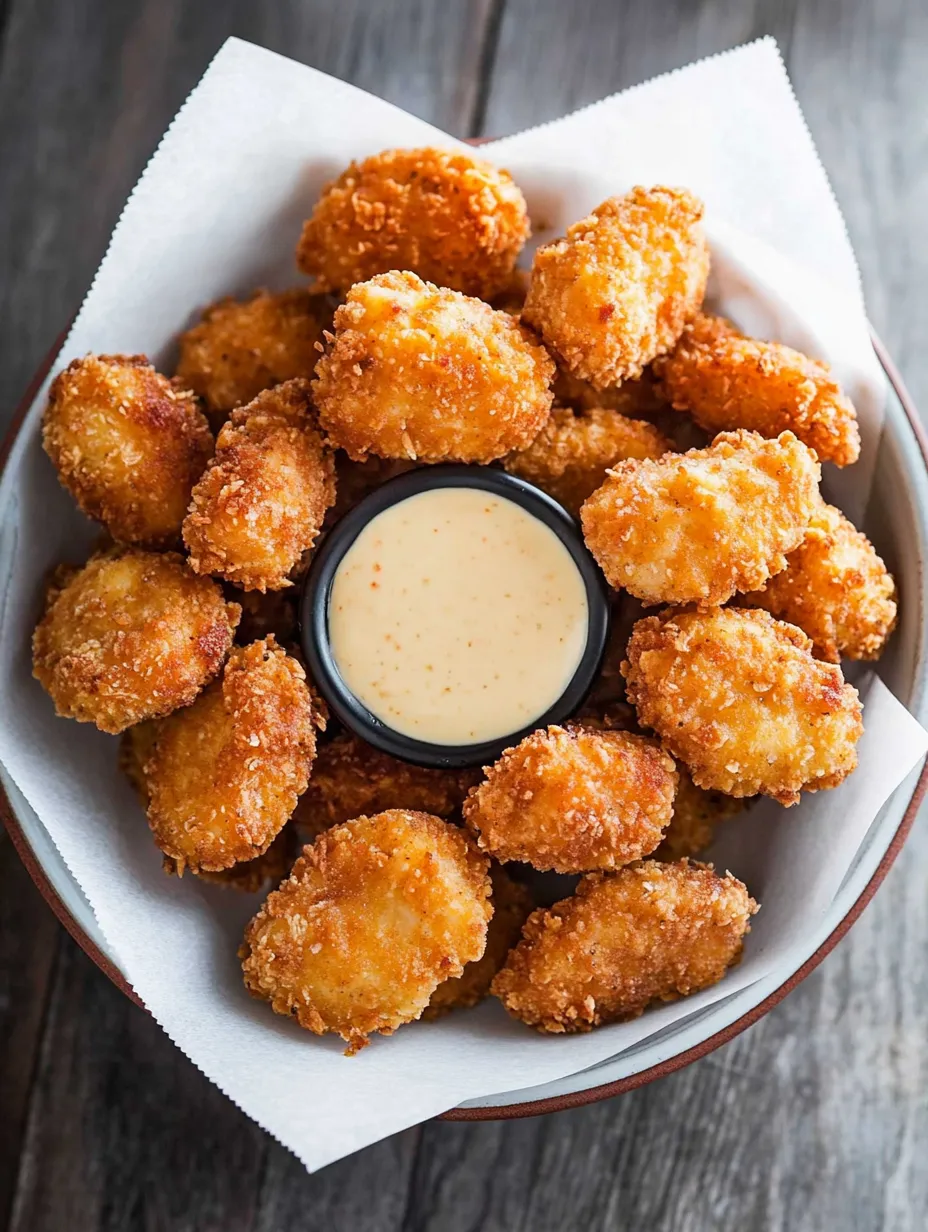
<point x="457" y="617"/>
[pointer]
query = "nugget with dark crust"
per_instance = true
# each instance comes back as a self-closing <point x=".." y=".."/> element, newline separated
<point x="696" y="813"/>
<point x="617" y="291"/>
<point x="574" y="799"/>
<point x="127" y="444"/>
<point x="130" y="636"/>
<point x="261" y="502"/>
<point x="700" y="526"/>
<point x="447" y="216"/>
<point x="650" y="932"/>
<point x="738" y="698"/>
<point x="727" y="381"/>
<point x="375" y="915"/>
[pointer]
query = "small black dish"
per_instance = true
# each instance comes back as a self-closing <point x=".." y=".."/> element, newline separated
<point x="314" y="604"/>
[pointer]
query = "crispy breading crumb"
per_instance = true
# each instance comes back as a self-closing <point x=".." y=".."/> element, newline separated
<point x="696" y="814"/>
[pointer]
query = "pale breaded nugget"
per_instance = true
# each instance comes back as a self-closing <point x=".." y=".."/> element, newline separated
<point x="617" y="291"/>
<point x="726" y="381"/>
<point x="447" y="216"/>
<point x="637" y="398"/>
<point x="419" y="372"/>
<point x="127" y="444"/>
<point x="650" y="932"/>
<point x="836" y="589"/>
<point x="512" y="903"/>
<point x="739" y="699"/>
<point x="574" y="799"/>
<point x="131" y="636"/>
<point x="700" y="526"/>
<point x="223" y="775"/>
<point x="696" y="813"/>
<point x="241" y="347"/>
<point x="375" y="915"/>
<point x="261" y="502"/>
<point x="569" y="457"/>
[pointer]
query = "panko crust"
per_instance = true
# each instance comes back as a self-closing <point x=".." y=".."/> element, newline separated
<point x="261" y="503"/>
<point x="131" y="636"/>
<point x="449" y="217"/>
<point x="836" y="589"/>
<point x="374" y="916"/>
<point x="738" y="698"/>
<point x="224" y="775"/>
<point x="700" y="526"/>
<point x="127" y="444"/>
<point x="570" y="456"/>
<point x="650" y="932"/>
<point x="696" y="813"/>
<point x="241" y="347"/>
<point x="617" y="291"/>
<point x="574" y="799"/>
<point x="419" y="372"/>
<point x="726" y="381"/>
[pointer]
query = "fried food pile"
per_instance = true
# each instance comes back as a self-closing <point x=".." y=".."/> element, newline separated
<point x="690" y="454"/>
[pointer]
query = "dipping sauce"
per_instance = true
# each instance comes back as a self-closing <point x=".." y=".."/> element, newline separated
<point x="456" y="617"/>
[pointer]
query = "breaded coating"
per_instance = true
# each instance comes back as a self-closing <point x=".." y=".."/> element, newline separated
<point x="738" y="698"/>
<point x="375" y="915"/>
<point x="447" y="216"/>
<point x="569" y="457"/>
<point x="574" y="799"/>
<point x="726" y="381"/>
<point x="242" y="347"/>
<point x="698" y="527"/>
<point x="836" y="589"/>
<point x="512" y="903"/>
<point x="419" y="372"/>
<point x="696" y="813"/>
<point x="648" y="933"/>
<point x="638" y="398"/>
<point x="261" y="502"/>
<point x="130" y="636"/>
<point x="224" y="775"/>
<point x="127" y="444"/>
<point x="617" y="291"/>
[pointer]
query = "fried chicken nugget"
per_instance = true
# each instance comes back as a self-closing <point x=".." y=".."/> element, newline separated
<point x="224" y="775"/>
<point x="726" y="381"/>
<point x="569" y="457"/>
<point x="130" y="636"/>
<point x="650" y="932"/>
<point x="416" y="371"/>
<point x="699" y="526"/>
<point x="574" y="799"/>
<point x="447" y="216"/>
<point x="738" y="698"/>
<point x="696" y="813"/>
<point x="617" y="291"/>
<point x="261" y="502"/>
<point x="127" y="444"/>
<point x="836" y="589"/>
<point x="375" y="915"/>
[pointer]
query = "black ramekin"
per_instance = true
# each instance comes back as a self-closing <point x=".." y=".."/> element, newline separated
<point x="314" y="604"/>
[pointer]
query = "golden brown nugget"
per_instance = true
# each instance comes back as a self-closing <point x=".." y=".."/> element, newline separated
<point x="447" y="216"/>
<point x="127" y="444"/>
<point x="261" y="502"/>
<point x="650" y="932"/>
<point x="375" y="915"/>
<point x="727" y="381"/>
<point x="617" y="291"/>
<point x="224" y="774"/>
<point x="696" y="813"/>
<point x="569" y="457"/>
<point x="836" y="589"/>
<point x="419" y="372"/>
<point x="574" y="799"/>
<point x="738" y="698"/>
<point x="700" y="526"/>
<point x="241" y="347"/>
<point x="130" y="636"/>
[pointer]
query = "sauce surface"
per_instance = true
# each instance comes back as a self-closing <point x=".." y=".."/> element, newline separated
<point x="456" y="617"/>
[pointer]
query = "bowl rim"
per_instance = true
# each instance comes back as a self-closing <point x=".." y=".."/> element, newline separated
<point x="573" y="1099"/>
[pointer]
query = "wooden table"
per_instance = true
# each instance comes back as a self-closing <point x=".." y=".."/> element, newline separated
<point x="816" y="1118"/>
